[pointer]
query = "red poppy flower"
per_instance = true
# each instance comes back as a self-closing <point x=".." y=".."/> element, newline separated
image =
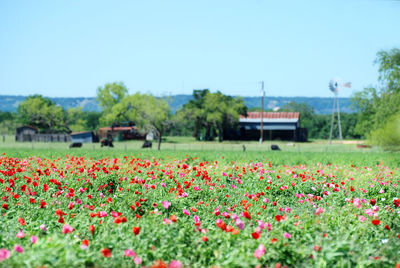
<point x="173" y="218"/>
<point x="106" y="252"/>
<point x="21" y="221"/>
<point x="204" y="238"/>
<point x="317" y="248"/>
<point x="255" y="235"/>
<point x="247" y="215"/>
<point x="273" y="240"/>
<point x="5" y="206"/>
<point x="278" y="218"/>
<point x="229" y="228"/>
<point x="159" y="264"/>
<point x="376" y="222"/>
<point x="372" y="201"/>
<point x="91" y="229"/>
<point x="61" y="219"/>
<point x="85" y="242"/>
<point x="42" y="204"/>
<point x="45" y="187"/>
<point x="136" y="230"/>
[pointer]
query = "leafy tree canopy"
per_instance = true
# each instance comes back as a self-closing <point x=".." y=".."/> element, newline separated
<point x="111" y="94"/>
<point x="149" y="113"/>
<point x="43" y="114"/>
<point x="210" y="114"/>
<point x="378" y="107"/>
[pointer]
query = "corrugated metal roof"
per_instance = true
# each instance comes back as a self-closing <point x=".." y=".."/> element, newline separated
<point x="272" y="115"/>
<point x="80" y="132"/>
<point x="116" y="128"/>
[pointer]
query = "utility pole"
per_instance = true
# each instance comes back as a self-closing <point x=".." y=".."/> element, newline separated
<point x="262" y="112"/>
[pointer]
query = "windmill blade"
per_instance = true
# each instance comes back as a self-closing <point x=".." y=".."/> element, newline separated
<point x="348" y="85"/>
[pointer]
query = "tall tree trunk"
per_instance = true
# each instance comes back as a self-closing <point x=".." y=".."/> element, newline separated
<point x="208" y="133"/>
<point x="159" y="142"/>
<point x="220" y="134"/>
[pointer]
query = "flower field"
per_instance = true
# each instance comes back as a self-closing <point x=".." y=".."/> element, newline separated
<point x="197" y="211"/>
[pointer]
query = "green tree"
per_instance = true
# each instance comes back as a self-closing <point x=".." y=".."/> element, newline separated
<point x="111" y="94"/>
<point x="144" y="110"/>
<point x="92" y="120"/>
<point x="377" y="107"/>
<point x="43" y="114"/>
<point x="76" y="120"/>
<point x="213" y="114"/>
<point x="318" y="125"/>
<point x="8" y="123"/>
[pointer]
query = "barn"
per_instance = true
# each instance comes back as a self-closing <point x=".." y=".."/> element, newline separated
<point x="83" y="137"/>
<point x="25" y="133"/>
<point x="276" y="126"/>
<point x="121" y="133"/>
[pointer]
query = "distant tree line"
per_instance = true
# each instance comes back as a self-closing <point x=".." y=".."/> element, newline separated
<point x="206" y="117"/>
<point x="209" y="115"/>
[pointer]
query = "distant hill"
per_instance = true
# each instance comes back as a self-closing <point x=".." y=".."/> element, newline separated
<point x="10" y="103"/>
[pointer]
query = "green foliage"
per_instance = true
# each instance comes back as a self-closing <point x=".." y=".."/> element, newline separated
<point x="144" y="110"/>
<point x="8" y="122"/>
<point x="318" y="125"/>
<point x="377" y="106"/>
<point x="43" y="114"/>
<point x="111" y="94"/>
<point x="388" y="136"/>
<point x="92" y="120"/>
<point x="75" y="119"/>
<point x="389" y="69"/>
<point x="211" y="114"/>
<point x="335" y="238"/>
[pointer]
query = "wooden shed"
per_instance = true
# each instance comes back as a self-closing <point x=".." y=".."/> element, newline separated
<point x="276" y="126"/>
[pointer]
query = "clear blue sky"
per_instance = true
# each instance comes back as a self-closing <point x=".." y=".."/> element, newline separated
<point x="69" y="48"/>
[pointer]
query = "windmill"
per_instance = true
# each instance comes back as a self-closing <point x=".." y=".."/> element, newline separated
<point x="335" y="85"/>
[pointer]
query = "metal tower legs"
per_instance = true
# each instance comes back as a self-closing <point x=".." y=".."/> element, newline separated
<point x="335" y="106"/>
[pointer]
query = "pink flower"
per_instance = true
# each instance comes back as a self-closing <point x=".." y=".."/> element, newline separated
<point x="369" y="212"/>
<point x="196" y="219"/>
<point x="129" y="253"/>
<point x="20" y="234"/>
<point x="186" y="212"/>
<point x="287" y="235"/>
<point x="137" y="260"/>
<point x="66" y="229"/>
<point x="259" y="251"/>
<point x="357" y="202"/>
<point x="43" y="227"/>
<point x="167" y="221"/>
<point x="102" y="214"/>
<point x="4" y="254"/>
<point x="175" y="264"/>
<point x="361" y="218"/>
<point x="240" y="224"/>
<point x="319" y="211"/>
<point x="34" y="239"/>
<point x="18" y="249"/>
<point x="165" y="204"/>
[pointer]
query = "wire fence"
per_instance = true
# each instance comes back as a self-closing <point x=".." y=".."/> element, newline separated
<point x="185" y="145"/>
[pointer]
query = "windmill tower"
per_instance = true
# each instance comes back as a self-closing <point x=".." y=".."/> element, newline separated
<point x="335" y="85"/>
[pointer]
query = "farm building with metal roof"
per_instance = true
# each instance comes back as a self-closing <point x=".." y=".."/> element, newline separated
<point x="276" y="126"/>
